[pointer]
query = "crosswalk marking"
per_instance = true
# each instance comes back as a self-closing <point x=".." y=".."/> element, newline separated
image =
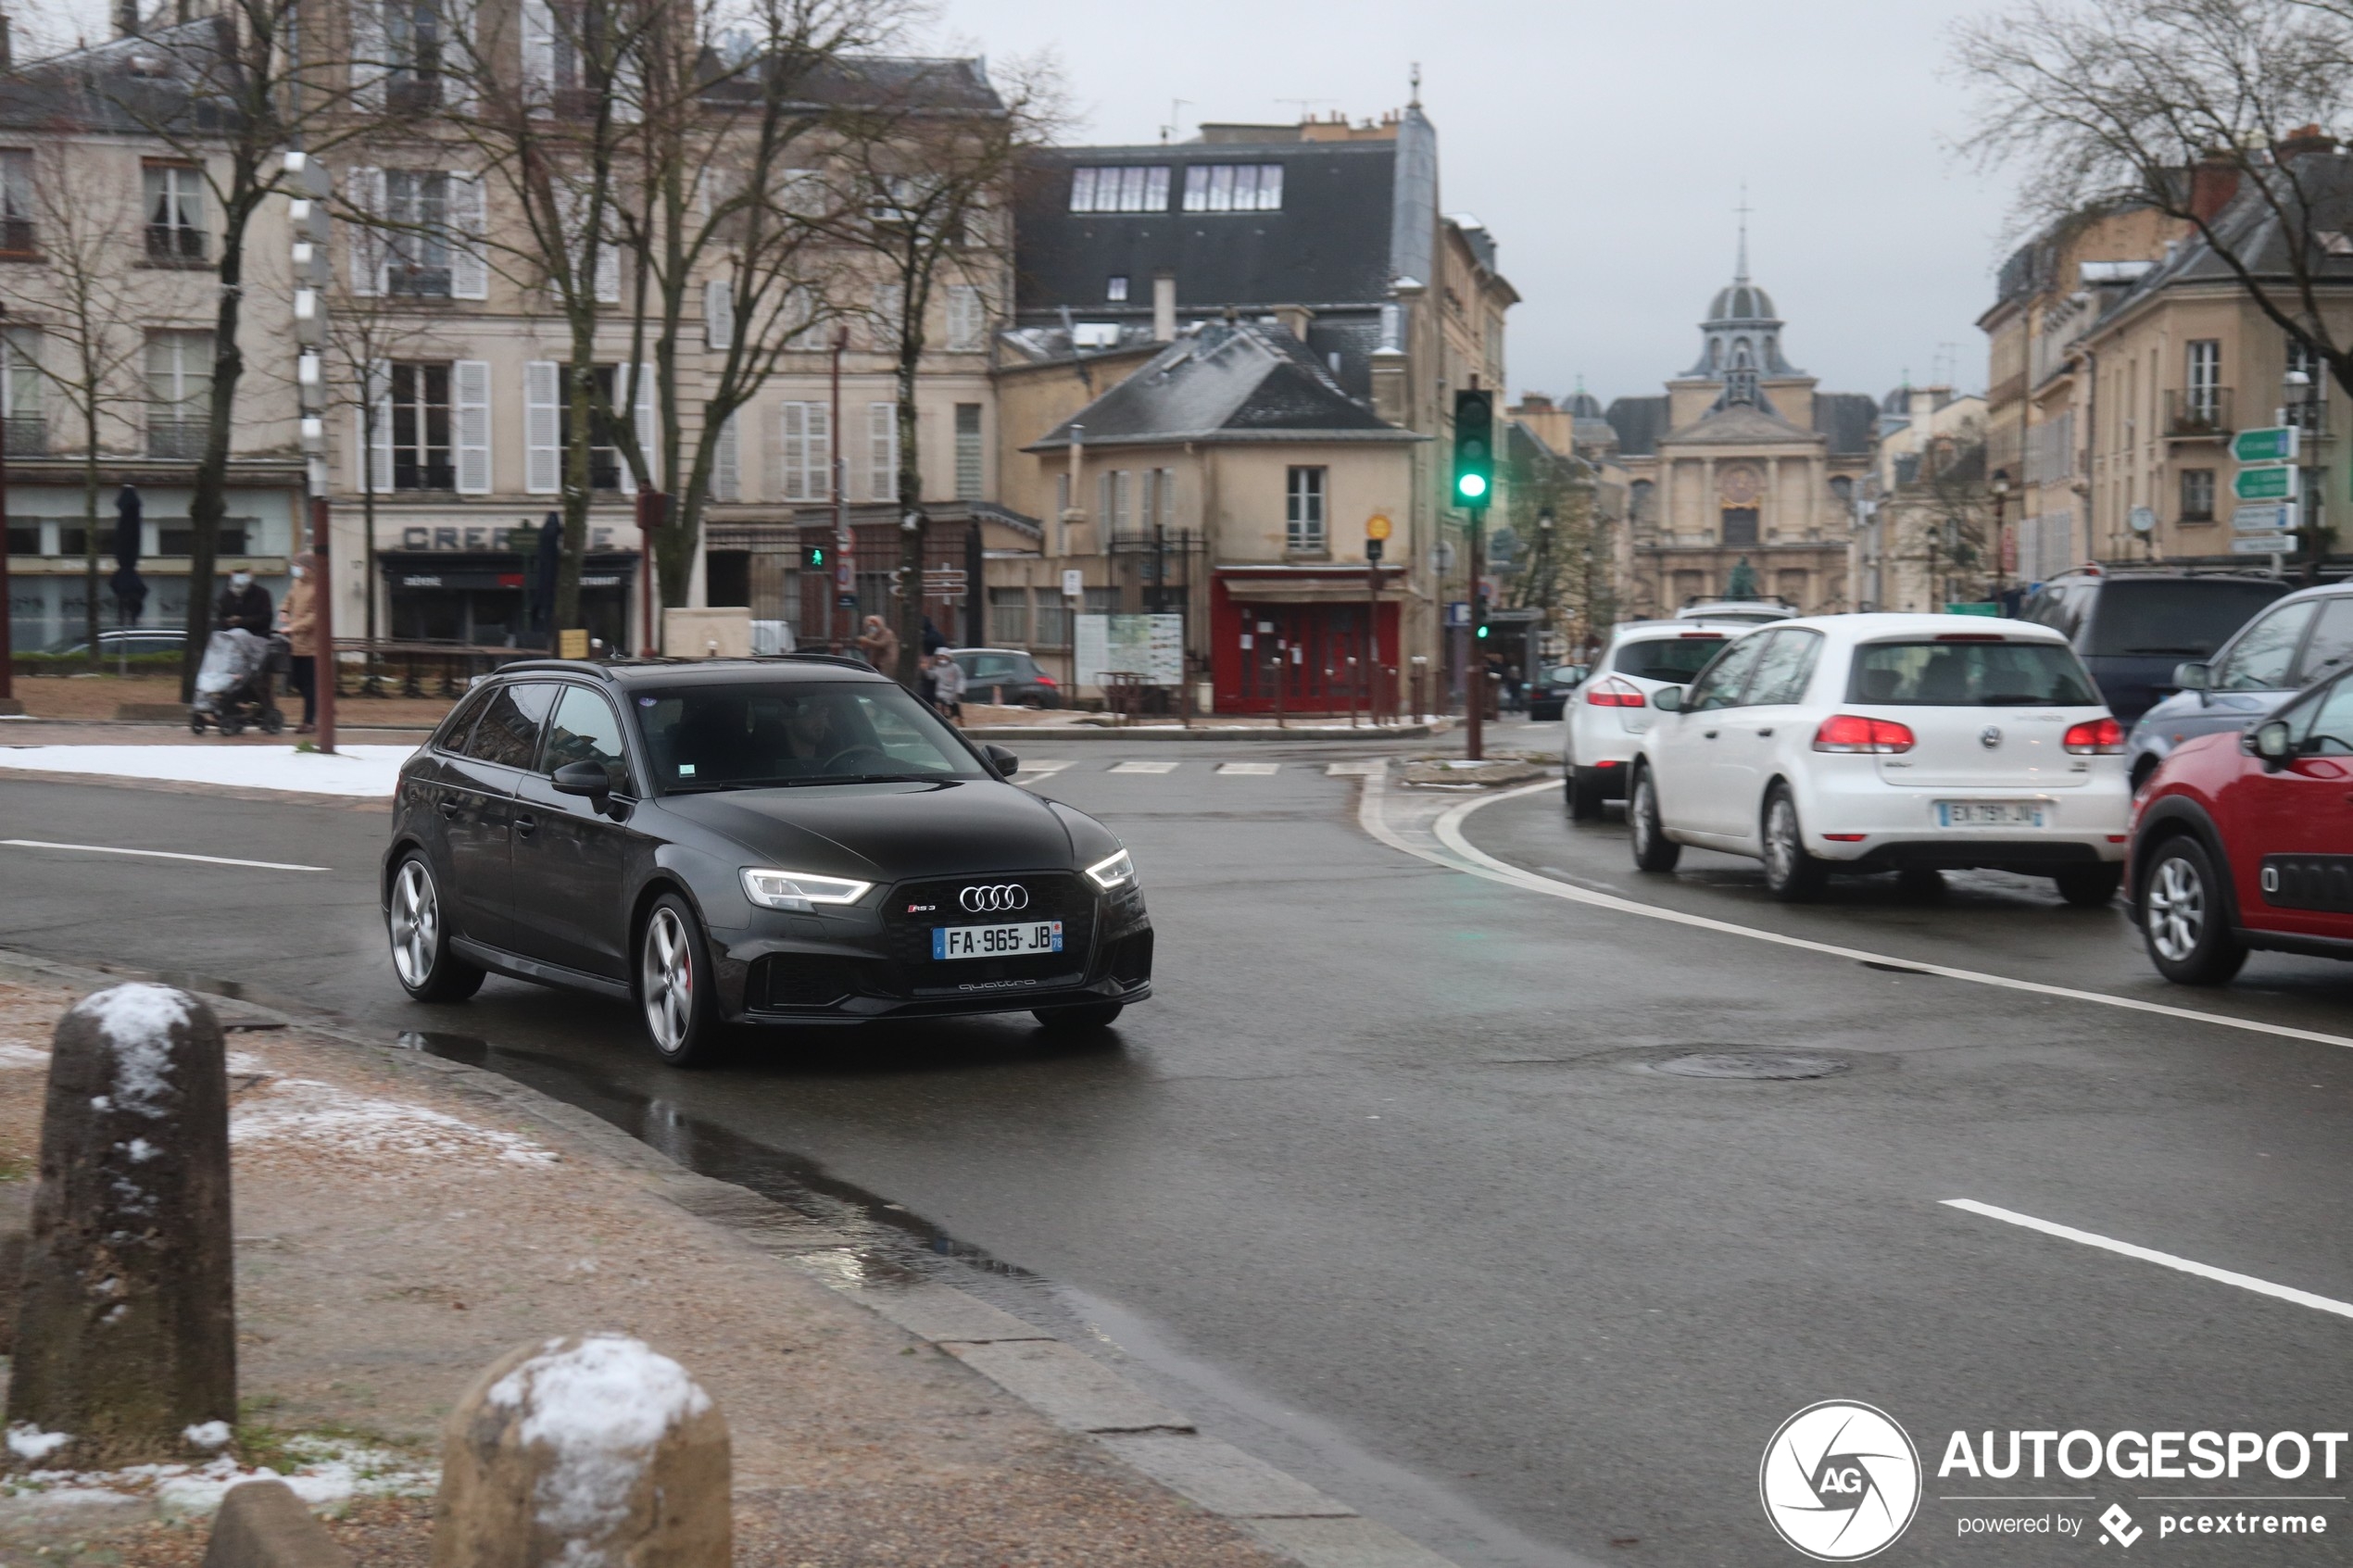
<point x="1055" y="766"/>
<point x="1351" y="770"/>
<point x="1144" y="768"/>
<point x="1257" y="770"/>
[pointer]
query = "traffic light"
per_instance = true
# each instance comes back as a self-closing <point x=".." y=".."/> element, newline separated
<point x="1474" y="448"/>
<point x="816" y="557"/>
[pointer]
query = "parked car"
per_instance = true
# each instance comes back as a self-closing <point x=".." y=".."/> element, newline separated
<point x="2241" y="842"/>
<point x="2134" y="627"/>
<point x="1611" y="708"/>
<point x="2303" y="638"/>
<point x="1006" y="675"/>
<point x="1865" y="742"/>
<point x="1548" y="694"/>
<point x="131" y="640"/>
<point x="1755" y="612"/>
<point x="775" y="840"/>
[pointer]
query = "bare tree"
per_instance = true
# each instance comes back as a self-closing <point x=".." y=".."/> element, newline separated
<point x="86" y="293"/>
<point x="2201" y="110"/>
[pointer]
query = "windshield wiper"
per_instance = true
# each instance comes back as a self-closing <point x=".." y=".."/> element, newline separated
<point x="861" y="778"/>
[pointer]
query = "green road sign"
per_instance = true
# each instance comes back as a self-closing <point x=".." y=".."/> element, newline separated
<point x="2276" y="444"/>
<point x="2264" y="485"/>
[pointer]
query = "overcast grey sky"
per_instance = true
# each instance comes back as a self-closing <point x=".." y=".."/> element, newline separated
<point x="1604" y="146"/>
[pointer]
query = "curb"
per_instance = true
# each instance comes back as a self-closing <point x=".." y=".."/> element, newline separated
<point x="1053" y="1377"/>
<point x="1202" y="732"/>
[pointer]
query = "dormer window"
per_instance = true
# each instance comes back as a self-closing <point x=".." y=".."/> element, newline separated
<point x="1116" y="288"/>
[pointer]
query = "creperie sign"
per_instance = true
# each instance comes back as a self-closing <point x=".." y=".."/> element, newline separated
<point x="2152" y="1456"/>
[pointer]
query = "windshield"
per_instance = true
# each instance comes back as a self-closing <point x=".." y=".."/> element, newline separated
<point x="1672" y="659"/>
<point x="2173" y="620"/>
<point x="753" y="736"/>
<point x="1938" y="674"/>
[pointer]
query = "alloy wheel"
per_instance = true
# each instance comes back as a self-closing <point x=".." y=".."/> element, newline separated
<point x="668" y="981"/>
<point x="1638" y="816"/>
<point x="416" y="923"/>
<point x="2176" y="908"/>
<point x="1780" y="839"/>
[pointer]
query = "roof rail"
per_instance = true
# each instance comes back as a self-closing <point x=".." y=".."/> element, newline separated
<point x="566" y="666"/>
<point x="843" y="660"/>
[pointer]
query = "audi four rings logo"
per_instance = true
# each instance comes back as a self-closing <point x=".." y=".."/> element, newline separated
<point x="1003" y="899"/>
<point x="1840" y="1481"/>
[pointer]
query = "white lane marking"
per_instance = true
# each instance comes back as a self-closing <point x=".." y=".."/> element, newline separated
<point x="1143" y="768"/>
<point x="2149" y="1255"/>
<point x="1247" y="769"/>
<point x="1355" y="770"/>
<point x="1049" y="767"/>
<point x="1448" y="831"/>
<point x="160" y="855"/>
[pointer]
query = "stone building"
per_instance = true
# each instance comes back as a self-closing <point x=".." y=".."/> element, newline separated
<point x="1742" y="461"/>
<point x="1924" y="533"/>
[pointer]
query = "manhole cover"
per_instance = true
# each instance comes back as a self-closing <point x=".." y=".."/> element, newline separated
<point x="1750" y="1064"/>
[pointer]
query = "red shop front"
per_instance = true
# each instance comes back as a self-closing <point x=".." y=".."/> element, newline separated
<point x="1299" y="635"/>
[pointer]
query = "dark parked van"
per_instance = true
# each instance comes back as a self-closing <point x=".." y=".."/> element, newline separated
<point x="2131" y="628"/>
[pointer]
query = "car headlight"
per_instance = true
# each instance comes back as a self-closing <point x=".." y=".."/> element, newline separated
<point x="799" y="890"/>
<point x="1116" y="872"/>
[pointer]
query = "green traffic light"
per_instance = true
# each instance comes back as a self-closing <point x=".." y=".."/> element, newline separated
<point x="1471" y="486"/>
<point x="1482" y="630"/>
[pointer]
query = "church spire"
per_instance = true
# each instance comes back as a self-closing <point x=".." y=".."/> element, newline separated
<point x="1739" y="267"/>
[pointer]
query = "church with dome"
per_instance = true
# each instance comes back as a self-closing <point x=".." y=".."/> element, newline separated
<point x="1740" y="476"/>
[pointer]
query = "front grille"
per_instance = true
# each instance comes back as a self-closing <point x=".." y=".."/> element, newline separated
<point x="1052" y="896"/>
<point x="802" y="980"/>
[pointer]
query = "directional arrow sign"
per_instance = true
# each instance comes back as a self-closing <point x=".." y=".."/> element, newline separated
<point x="2275" y="443"/>
<point x="2264" y="485"/>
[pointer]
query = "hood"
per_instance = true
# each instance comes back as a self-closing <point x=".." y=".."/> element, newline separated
<point x="883" y="832"/>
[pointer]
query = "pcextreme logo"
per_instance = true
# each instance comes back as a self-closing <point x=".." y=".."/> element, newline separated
<point x="1840" y="1481"/>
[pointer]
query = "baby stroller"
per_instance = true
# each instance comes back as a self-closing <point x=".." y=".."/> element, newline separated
<point x="233" y="684"/>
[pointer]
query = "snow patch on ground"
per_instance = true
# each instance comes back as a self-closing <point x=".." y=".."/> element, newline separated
<point x="28" y="1441"/>
<point x="352" y="770"/>
<point x="600" y="1404"/>
<point x="15" y="1055"/>
<point x="323" y="1118"/>
<point x="325" y="1472"/>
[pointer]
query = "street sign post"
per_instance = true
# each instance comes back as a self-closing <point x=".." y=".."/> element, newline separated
<point x="2265" y="485"/>
<point x="2261" y="519"/>
<point x="2263" y="545"/>
<point x="2273" y="444"/>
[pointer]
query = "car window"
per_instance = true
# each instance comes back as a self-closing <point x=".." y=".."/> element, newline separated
<point x="1938" y="673"/>
<point x="2047" y="606"/>
<point x="2329" y="647"/>
<point x="1672" y="659"/>
<point x="1719" y="684"/>
<point x="1785" y="668"/>
<point x="2321" y="722"/>
<point x="754" y="735"/>
<point x="587" y="730"/>
<point x="2261" y="658"/>
<point x="508" y="732"/>
<point x="454" y="730"/>
<point x="1568" y="675"/>
<point x="2176" y="617"/>
<point x="984" y="665"/>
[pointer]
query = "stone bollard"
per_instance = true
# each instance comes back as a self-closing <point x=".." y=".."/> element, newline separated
<point x="126" y="1345"/>
<point x="263" y="1525"/>
<point x="591" y="1452"/>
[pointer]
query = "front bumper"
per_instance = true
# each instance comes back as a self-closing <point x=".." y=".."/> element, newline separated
<point x="871" y="963"/>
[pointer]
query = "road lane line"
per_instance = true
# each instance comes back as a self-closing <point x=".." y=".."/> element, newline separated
<point x="2150" y="1255"/>
<point x="1247" y="770"/>
<point x="1143" y="768"/>
<point x="160" y="855"/>
<point x="1448" y="831"/>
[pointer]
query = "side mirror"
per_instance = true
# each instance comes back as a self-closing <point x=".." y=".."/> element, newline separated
<point x="1004" y="762"/>
<point x="2193" y="677"/>
<point x="2273" y="745"/>
<point x="587" y="779"/>
<point x="1667" y="699"/>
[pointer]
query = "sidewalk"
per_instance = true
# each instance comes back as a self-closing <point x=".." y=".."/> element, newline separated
<point x="367" y="771"/>
<point x="401" y="1221"/>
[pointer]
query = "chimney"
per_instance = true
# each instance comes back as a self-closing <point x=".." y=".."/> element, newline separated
<point x="2214" y="179"/>
<point x="126" y="19"/>
<point x="1163" y="307"/>
<point x="1294" y="318"/>
<point x="2303" y="139"/>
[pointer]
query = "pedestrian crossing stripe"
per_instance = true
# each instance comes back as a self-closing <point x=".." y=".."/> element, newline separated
<point x="1257" y="770"/>
<point x="1046" y="767"/>
<point x="1143" y="768"/>
<point x="1351" y="770"/>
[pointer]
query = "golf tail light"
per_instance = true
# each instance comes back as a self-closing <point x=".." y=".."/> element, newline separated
<point x="1116" y="872"/>
<point x="799" y="890"/>
<point x="1615" y="692"/>
<point x="2095" y="737"/>
<point x="1852" y="731"/>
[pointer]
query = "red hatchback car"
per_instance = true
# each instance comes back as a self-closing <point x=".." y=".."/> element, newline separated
<point x="2246" y="841"/>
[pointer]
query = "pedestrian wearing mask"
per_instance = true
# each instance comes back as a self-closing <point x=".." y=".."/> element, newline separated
<point x="947" y="686"/>
<point x="301" y="618"/>
<point x="243" y="606"/>
<point x="879" y="645"/>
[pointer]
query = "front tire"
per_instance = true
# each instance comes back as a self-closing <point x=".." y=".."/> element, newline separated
<point x="2184" y="923"/>
<point x="428" y="970"/>
<point x="1653" y="851"/>
<point x="1082" y="1020"/>
<point x="2089" y="888"/>
<point x="1791" y="873"/>
<point x="1584" y="788"/>
<point x="674" y="991"/>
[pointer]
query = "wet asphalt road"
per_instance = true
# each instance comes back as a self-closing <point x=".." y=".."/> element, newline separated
<point x="1383" y="1187"/>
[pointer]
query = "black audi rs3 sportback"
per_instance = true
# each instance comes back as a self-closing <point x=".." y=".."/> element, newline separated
<point x="774" y="841"/>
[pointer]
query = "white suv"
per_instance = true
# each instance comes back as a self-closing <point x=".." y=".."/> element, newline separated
<point x="1905" y="743"/>
<point x="1609" y="711"/>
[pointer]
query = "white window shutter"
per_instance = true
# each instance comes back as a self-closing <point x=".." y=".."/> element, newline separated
<point x="820" y="452"/>
<point x="967" y="317"/>
<point x="538" y="56"/>
<point x="792" y="436"/>
<point x="469" y="220"/>
<point x="643" y="418"/>
<point x="364" y="190"/>
<point x="719" y="313"/>
<point x="629" y="86"/>
<point x="458" y="64"/>
<point x="725" y="462"/>
<point x="379" y="447"/>
<point x="608" y="274"/>
<point x="542" y="429"/>
<point x="882" y="451"/>
<point x="369" y="65"/>
<point x="470" y="419"/>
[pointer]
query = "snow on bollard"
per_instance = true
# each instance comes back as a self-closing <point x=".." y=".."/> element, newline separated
<point x="126" y="1332"/>
<point x="590" y="1452"/>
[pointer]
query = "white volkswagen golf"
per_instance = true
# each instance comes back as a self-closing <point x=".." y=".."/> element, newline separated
<point x="1873" y="743"/>
<point x="1609" y="711"/>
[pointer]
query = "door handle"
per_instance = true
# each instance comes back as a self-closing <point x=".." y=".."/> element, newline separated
<point x="526" y="824"/>
<point x="1763" y="733"/>
<point x="446" y="806"/>
<point x="1709" y="733"/>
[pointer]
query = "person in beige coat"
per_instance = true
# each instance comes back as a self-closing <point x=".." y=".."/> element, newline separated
<point x="298" y="618"/>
